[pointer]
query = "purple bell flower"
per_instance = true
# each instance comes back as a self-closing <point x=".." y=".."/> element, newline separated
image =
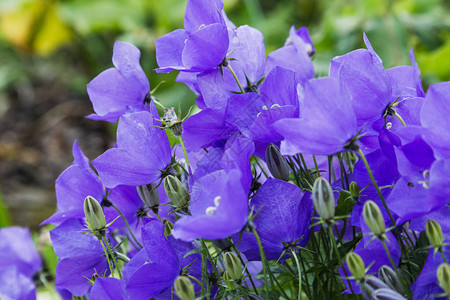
<point x="121" y="89"/>
<point x="80" y="257"/>
<point x="201" y="46"/>
<point x="153" y="271"/>
<point x="142" y="151"/>
<point x="108" y="289"/>
<point x="283" y="220"/>
<point x="327" y="122"/>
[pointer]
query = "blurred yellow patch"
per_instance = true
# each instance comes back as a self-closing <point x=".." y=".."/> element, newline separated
<point x="34" y="26"/>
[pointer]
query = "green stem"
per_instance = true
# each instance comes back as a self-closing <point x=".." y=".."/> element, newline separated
<point x="184" y="151"/>
<point x="443" y="256"/>
<point x="246" y="269"/>
<point x="113" y="257"/>
<point x="400" y="118"/>
<point x="263" y="259"/>
<point x="369" y="171"/>
<point x="204" y="269"/>
<point x="339" y="258"/>
<point x="235" y="78"/>
<point x="405" y="287"/>
<point x="128" y="226"/>
<point x="316" y="165"/>
<point x="107" y="258"/>
<point x="306" y="277"/>
<point x="299" y="275"/>
<point x="391" y="218"/>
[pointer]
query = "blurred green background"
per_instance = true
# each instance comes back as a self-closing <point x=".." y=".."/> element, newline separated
<point x="50" y="50"/>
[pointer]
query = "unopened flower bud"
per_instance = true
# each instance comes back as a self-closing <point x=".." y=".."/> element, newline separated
<point x="228" y="280"/>
<point x="184" y="288"/>
<point x="386" y="294"/>
<point x="149" y="194"/>
<point x="277" y="163"/>
<point x="434" y="234"/>
<point x="354" y="189"/>
<point x="388" y="276"/>
<point x="168" y="226"/>
<point x="371" y="284"/>
<point x="443" y="275"/>
<point x="93" y="212"/>
<point x="323" y="199"/>
<point x="356" y="265"/>
<point x="176" y="191"/>
<point x="373" y="218"/>
<point x="233" y="266"/>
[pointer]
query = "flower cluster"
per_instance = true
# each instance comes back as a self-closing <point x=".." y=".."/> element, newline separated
<point x="279" y="177"/>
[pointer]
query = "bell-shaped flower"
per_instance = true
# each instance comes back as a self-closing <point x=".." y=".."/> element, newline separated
<point x="80" y="255"/>
<point x="283" y="220"/>
<point x="202" y="44"/>
<point x="327" y="124"/>
<point x="121" y="89"/>
<point x="153" y="271"/>
<point x="142" y="151"/>
<point x="295" y="55"/>
<point x="218" y="207"/>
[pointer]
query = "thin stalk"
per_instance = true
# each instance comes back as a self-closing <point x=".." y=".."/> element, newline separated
<point x="113" y="257"/>
<point x="235" y="78"/>
<point x="180" y="138"/>
<point x="339" y="258"/>
<point x="107" y="258"/>
<point x="128" y="225"/>
<point x="308" y="289"/>
<point x="204" y="270"/>
<point x="263" y="259"/>
<point x="246" y="269"/>
<point x="316" y="165"/>
<point x="369" y="171"/>
<point x="299" y="275"/>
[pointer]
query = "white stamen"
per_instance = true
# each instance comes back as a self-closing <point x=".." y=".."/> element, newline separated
<point x="217" y="201"/>
<point x="210" y="210"/>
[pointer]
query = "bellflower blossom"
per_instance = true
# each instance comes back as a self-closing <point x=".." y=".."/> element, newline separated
<point x="327" y="122"/>
<point x="163" y="260"/>
<point x="280" y="224"/>
<point x="142" y="151"/>
<point x="202" y="44"/>
<point x="121" y="89"/>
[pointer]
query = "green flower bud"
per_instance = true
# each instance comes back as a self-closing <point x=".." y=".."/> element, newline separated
<point x="228" y="280"/>
<point x="184" y="288"/>
<point x="434" y="233"/>
<point x="93" y="212"/>
<point x="168" y="226"/>
<point x="374" y="219"/>
<point x="443" y="275"/>
<point x="176" y="191"/>
<point x="149" y="194"/>
<point x="277" y="163"/>
<point x="356" y="265"/>
<point x="233" y="266"/>
<point x="354" y="189"/>
<point x="388" y="276"/>
<point x="323" y="198"/>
